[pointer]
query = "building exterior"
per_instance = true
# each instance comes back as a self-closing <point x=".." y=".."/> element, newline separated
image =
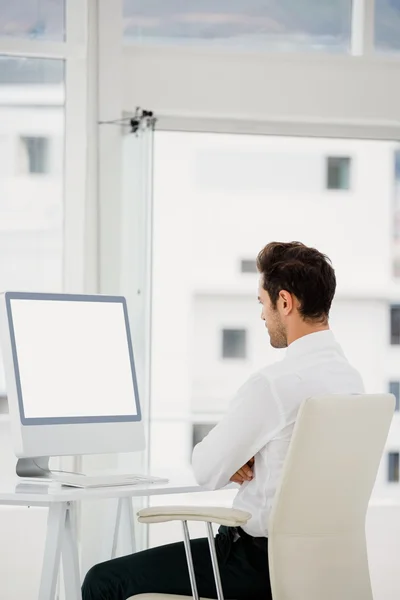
<point x="31" y="188"/>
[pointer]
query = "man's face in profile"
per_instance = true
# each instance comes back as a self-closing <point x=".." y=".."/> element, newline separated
<point x="272" y="318"/>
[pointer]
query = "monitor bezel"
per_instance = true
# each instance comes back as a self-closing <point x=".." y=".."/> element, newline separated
<point x="29" y="421"/>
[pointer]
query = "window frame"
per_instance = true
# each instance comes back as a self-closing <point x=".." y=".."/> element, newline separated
<point x="276" y="94"/>
<point x="324" y="95"/>
<point x="80" y="212"/>
<point x="77" y="254"/>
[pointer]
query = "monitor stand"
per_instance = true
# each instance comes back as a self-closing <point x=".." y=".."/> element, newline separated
<point x="34" y="467"/>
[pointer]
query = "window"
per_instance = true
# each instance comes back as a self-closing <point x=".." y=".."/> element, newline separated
<point x="34" y="155"/>
<point x="190" y="383"/>
<point x="387" y="25"/>
<point x="394" y="388"/>
<point x="396" y="215"/>
<point x="234" y="343"/>
<point x="395" y="325"/>
<point x="338" y="173"/>
<point x="274" y="25"/>
<point x="393" y="464"/>
<point x="200" y="430"/>
<point x="31" y="212"/>
<point x="248" y="266"/>
<point x="42" y="19"/>
<point x="397" y="166"/>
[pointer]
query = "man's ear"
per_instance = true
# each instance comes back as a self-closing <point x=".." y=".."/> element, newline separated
<point x="287" y="301"/>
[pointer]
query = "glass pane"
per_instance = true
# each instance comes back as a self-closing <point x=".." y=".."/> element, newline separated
<point x="395" y="325"/>
<point x="248" y="266"/>
<point x="233" y="194"/>
<point x="31" y="175"/>
<point x="234" y="343"/>
<point x="200" y="430"/>
<point x="265" y="24"/>
<point x="394" y="473"/>
<point x="396" y="215"/>
<point x="394" y="388"/>
<point x="387" y="25"/>
<point x="338" y="173"/>
<point x="38" y="19"/>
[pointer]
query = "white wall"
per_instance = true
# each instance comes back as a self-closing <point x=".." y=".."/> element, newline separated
<point x="31" y="258"/>
<point x="360" y="327"/>
<point x="215" y="379"/>
<point x="31" y="205"/>
<point x="352" y="227"/>
<point x="263" y="92"/>
<point x="23" y="533"/>
<point x="383" y="540"/>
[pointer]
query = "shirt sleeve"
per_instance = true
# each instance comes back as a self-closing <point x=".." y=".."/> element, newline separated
<point x="253" y="418"/>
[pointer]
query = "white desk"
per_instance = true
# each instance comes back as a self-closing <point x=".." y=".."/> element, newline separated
<point x="61" y="542"/>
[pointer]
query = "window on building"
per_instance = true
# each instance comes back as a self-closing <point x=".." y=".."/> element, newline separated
<point x="199" y="431"/>
<point x="387" y="25"/>
<point x="234" y="343"/>
<point x="35" y="155"/>
<point x="248" y="266"/>
<point x="394" y="388"/>
<point x="395" y="325"/>
<point x="397" y="165"/>
<point x="338" y="173"/>
<point x="394" y="463"/>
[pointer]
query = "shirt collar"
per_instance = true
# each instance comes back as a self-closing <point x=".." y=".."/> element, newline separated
<point x="311" y="343"/>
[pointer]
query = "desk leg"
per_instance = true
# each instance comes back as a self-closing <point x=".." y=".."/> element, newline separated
<point x="124" y="521"/>
<point x="129" y="523"/>
<point x="52" y="551"/>
<point x="70" y="557"/>
<point x="116" y="529"/>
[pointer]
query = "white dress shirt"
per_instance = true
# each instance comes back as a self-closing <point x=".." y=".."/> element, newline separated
<point x="261" y="418"/>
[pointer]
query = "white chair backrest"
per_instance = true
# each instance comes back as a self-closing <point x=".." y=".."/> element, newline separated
<point x="317" y="546"/>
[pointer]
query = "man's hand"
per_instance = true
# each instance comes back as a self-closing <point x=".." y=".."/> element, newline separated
<point x="244" y="474"/>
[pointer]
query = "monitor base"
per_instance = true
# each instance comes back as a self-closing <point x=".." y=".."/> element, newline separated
<point x="34" y="467"/>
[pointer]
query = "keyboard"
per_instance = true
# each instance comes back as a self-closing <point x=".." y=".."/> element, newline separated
<point x="94" y="481"/>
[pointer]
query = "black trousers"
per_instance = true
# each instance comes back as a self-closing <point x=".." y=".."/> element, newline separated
<point x="243" y="567"/>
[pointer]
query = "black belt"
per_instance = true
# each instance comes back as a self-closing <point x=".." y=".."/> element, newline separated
<point x="259" y="542"/>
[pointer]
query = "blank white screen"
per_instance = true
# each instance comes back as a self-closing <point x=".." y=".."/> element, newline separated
<point x="73" y="358"/>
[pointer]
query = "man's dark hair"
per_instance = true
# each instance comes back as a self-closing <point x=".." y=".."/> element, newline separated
<point x="302" y="271"/>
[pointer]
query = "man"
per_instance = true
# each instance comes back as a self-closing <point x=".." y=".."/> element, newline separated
<point x="249" y="445"/>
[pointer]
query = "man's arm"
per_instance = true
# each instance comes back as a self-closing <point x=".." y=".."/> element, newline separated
<point x="253" y="419"/>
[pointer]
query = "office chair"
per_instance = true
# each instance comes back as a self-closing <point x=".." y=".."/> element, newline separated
<point x="316" y="542"/>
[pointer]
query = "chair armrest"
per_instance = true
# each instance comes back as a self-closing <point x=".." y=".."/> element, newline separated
<point x="230" y="517"/>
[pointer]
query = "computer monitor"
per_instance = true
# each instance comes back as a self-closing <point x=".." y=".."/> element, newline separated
<point x="70" y="377"/>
